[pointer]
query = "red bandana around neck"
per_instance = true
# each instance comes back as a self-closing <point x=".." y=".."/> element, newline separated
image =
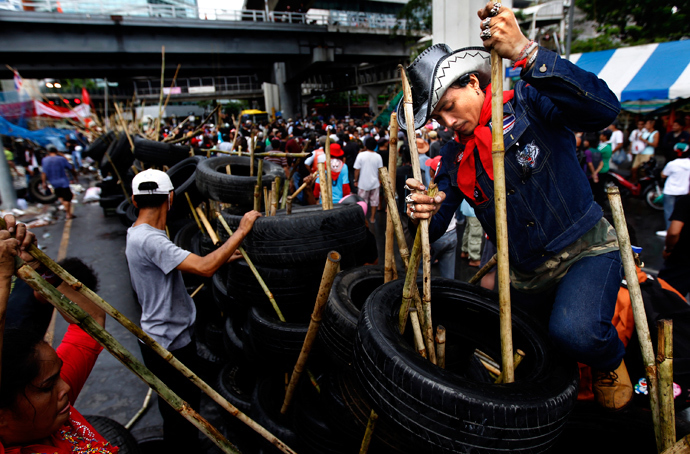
<point x="480" y="138"/>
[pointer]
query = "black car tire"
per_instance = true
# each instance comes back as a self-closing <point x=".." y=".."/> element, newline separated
<point x="237" y="188"/>
<point x="159" y="153"/>
<point x="114" y="433"/>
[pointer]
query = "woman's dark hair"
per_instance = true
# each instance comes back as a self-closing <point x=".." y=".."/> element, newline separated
<point x="405" y="154"/>
<point x="81" y="271"/>
<point x="150" y="200"/>
<point x="19" y="363"/>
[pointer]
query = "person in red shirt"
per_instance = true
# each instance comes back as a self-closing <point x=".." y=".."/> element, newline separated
<point x="39" y="385"/>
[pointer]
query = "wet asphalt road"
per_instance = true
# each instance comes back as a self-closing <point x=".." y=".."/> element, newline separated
<point x="115" y="392"/>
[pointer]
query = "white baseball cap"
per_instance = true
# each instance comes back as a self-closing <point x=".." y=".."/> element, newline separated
<point x="162" y="184"/>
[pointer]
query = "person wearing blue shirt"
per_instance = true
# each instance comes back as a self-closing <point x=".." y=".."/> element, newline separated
<point x="55" y="170"/>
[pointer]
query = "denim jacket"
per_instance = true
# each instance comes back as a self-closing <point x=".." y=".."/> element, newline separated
<point x="549" y="200"/>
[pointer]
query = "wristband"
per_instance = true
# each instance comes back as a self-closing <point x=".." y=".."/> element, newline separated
<point x="532" y="59"/>
<point x="529" y="47"/>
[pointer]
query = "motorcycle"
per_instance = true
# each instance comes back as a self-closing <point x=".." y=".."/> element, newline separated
<point x="648" y="187"/>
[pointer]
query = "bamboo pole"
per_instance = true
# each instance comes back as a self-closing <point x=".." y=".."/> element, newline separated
<point x="390" y="270"/>
<point x="417" y="332"/>
<point x="209" y="229"/>
<point x="394" y="215"/>
<point x="124" y="126"/>
<point x="441" y="346"/>
<point x="637" y="305"/>
<point x="167" y="98"/>
<point x="267" y="154"/>
<point x="228" y="170"/>
<point x="197" y="290"/>
<point x="286" y="189"/>
<point x="160" y="98"/>
<point x="141" y="411"/>
<point x="424" y="223"/>
<point x="681" y="447"/>
<point x="266" y="201"/>
<point x="274" y="198"/>
<point x="257" y="198"/>
<point x="664" y="366"/>
<point x="259" y="177"/>
<point x="191" y="208"/>
<point x="497" y="153"/>
<point x="330" y="270"/>
<point x="88" y="324"/>
<point x="117" y="174"/>
<point x="518" y="356"/>
<point x="371" y="424"/>
<point x="268" y="293"/>
<point x="484" y="270"/>
<point x="322" y="179"/>
<point x="197" y="130"/>
<point x="491" y="368"/>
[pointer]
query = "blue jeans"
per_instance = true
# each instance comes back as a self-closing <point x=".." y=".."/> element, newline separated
<point x="669" y="203"/>
<point x="581" y="308"/>
<point x="443" y="250"/>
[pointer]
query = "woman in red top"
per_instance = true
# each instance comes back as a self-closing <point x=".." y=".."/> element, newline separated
<point x="38" y="385"/>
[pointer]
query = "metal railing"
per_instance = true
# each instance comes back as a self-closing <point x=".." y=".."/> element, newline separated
<point x="179" y="10"/>
<point x="198" y="86"/>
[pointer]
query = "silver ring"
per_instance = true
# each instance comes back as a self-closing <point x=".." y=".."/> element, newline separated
<point x="412" y="208"/>
<point x="412" y="215"/>
<point x="485" y="34"/>
<point x="486" y="23"/>
<point x="407" y="187"/>
<point x="408" y="199"/>
<point x="495" y="9"/>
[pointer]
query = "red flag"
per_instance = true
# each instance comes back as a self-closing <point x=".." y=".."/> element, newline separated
<point x="86" y="99"/>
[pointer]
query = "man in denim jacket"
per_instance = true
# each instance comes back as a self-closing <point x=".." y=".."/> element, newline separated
<point x="564" y="259"/>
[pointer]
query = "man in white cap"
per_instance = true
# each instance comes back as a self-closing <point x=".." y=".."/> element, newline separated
<point x="167" y="311"/>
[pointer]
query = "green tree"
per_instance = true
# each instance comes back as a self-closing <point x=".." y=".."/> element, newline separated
<point x="417" y="13"/>
<point x="640" y="21"/>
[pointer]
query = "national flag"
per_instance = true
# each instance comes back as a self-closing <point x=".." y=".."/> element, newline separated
<point x="18" y="81"/>
<point x="86" y="99"/>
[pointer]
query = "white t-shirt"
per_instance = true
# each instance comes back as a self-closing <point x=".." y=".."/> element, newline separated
<point x="636" y="145"/>
<point x="678" y="173"/>
<point x="368" y="163"/>
<point x="616" y="138"/>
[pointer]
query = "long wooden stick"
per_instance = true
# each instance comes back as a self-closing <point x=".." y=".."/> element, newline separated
<point x="330" y="270"/>
<point x="88" y="324"/>
<point x="193" y="210"/>
<point x="664" y="362"/>
<point x="497" y="152"/>
<point x="637" y="305"/>
<point x="417" y="332"/>
<point x="148" y="340"/>
<point x="209" y="229"/>
<point x="517" y="359"/>
<point x="322" y="179"/>
<point x="424" y="223"/>
<point x="371" y="424"/>
<point x="251" y="156"/>
<point x="328" y="183"/>
<point x="117" y="175"/>
<point x="274" y="196"/>
<point x="160" y="98"/>
<point x="268" y="293"/>
<point x="286" y="189"/>
<point x="390" y="270"/>
<point x="124" y="126"/>
<point x="266" y="154"/>
<point x="441" y="346"/>
<point x="197" y="130"/>
<point x="411" y="283"/>
<point x="394" y="215"/>
<point x="484" y="270"/>
<point x="167" y="98"/>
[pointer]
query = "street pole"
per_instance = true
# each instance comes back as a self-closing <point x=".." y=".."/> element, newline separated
<point x="8" y="195"/>
<point x="105" y="119"/>
<point x="571" y="19"/>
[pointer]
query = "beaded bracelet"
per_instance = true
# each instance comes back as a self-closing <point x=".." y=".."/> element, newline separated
<point x="532" y="59"/>
<point x="529" y="47"/>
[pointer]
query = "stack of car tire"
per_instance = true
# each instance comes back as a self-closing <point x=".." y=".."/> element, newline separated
<point x="360" y="361"/>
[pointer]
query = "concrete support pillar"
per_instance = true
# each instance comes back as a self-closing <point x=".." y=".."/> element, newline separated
<point x="456" y="22"/>
<point x="289" y="92"/>
<point x="7" y="192"/>
<point x="373" y="91"/>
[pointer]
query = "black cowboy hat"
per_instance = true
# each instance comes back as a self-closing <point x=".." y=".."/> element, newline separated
<point x="434" y="70"/>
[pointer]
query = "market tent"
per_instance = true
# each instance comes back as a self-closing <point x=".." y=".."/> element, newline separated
<point x="43" y="137"/>
<point x="651" y="74"/>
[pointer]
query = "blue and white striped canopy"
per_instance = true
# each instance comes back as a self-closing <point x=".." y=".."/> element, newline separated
<point x="642" y="73"/>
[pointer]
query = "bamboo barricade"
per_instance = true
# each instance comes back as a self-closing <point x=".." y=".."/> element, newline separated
<point x="498" y="155"/>
<point x="167" y="98"/>
<point x="638" y="307"/>
<point x="139" y="333"/>
<point x="484" y="270"/>
<point x="251" y="156"/>
<point x="424" y="223"/>
<point x="193" y="210"/>
<point x="330" y="270"/>
<point x="371" y="424"/>
<point x="197" y="130"/>
<point x="259" y="185"/>
<point x="209" y="229"/>
<point x="274" y="196"/>
<point x="390" y="270"/>
<point x="267" y="154"/>
<point x="322" y="178"/>
<point x="664" y="366"/>
<point x="441" y="346"/>
<point x="105" y="339"/>
<point x="268" y="293"/>
<point x="327" y="185"/>
<point x="394" y="215"/>
<point x="286" y="189"/>
<point x="267" y="205"/>
<point x="160" y="97"/>
<point x="117" y="174"/>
